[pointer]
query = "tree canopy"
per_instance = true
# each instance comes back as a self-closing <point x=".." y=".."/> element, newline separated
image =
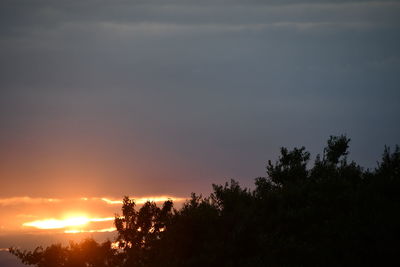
<point x="333" y="213"/>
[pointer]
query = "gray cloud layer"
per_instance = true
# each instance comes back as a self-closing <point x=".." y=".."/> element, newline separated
<point x="173" y="95"/>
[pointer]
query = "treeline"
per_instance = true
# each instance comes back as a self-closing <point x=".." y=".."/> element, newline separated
<point x="333" y="213"/>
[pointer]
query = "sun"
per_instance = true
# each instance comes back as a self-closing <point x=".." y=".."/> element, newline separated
<point x="71" y="222"/>
<point x="59" y="224"/>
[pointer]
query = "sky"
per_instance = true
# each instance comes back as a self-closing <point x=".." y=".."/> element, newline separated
<point x="102" y="99"/>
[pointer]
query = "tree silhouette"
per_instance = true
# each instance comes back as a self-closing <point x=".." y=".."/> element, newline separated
<point x="140" y="231"/>
<point x="291" y="166"/>
<point x="337" y="147"/>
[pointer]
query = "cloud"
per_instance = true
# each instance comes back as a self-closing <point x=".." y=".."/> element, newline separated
<point x="54" y="18"/>
<point x="26" y="200"/>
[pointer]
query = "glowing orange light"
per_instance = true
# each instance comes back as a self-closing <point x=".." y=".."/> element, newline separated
<point x="111" y="229"/>
<point x="69" y="222"/>
<point x="115" y="245"/>
<point x="56" y="224"/>
<point x="143" y="200"/>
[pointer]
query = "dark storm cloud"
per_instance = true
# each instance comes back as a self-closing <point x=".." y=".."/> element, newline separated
<point x="185" y="93"/>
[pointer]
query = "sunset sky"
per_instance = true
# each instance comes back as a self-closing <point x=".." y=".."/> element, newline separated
<point x="153" y="98"/>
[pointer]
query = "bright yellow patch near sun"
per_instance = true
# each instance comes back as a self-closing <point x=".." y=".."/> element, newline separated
<point x="57" y="224"/>
<point x="65" y="223"/>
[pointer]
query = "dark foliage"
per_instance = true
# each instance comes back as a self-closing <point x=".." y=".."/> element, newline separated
<point x="88" y="253"/>
<point x="332" y="214"/>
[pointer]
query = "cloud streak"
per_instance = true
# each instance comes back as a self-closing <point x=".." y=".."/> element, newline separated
<point x="26" y="200"/>
<point x="65" y="223"/>
<point x="54" y="20"/>
<point x="38" y="200"/>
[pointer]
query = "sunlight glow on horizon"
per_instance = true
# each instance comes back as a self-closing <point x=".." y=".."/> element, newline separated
<point x="58" y="214"/>
<point x="111" y="229"/>
<point x="59" y="224"/>
<point x="143" y="200"/>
